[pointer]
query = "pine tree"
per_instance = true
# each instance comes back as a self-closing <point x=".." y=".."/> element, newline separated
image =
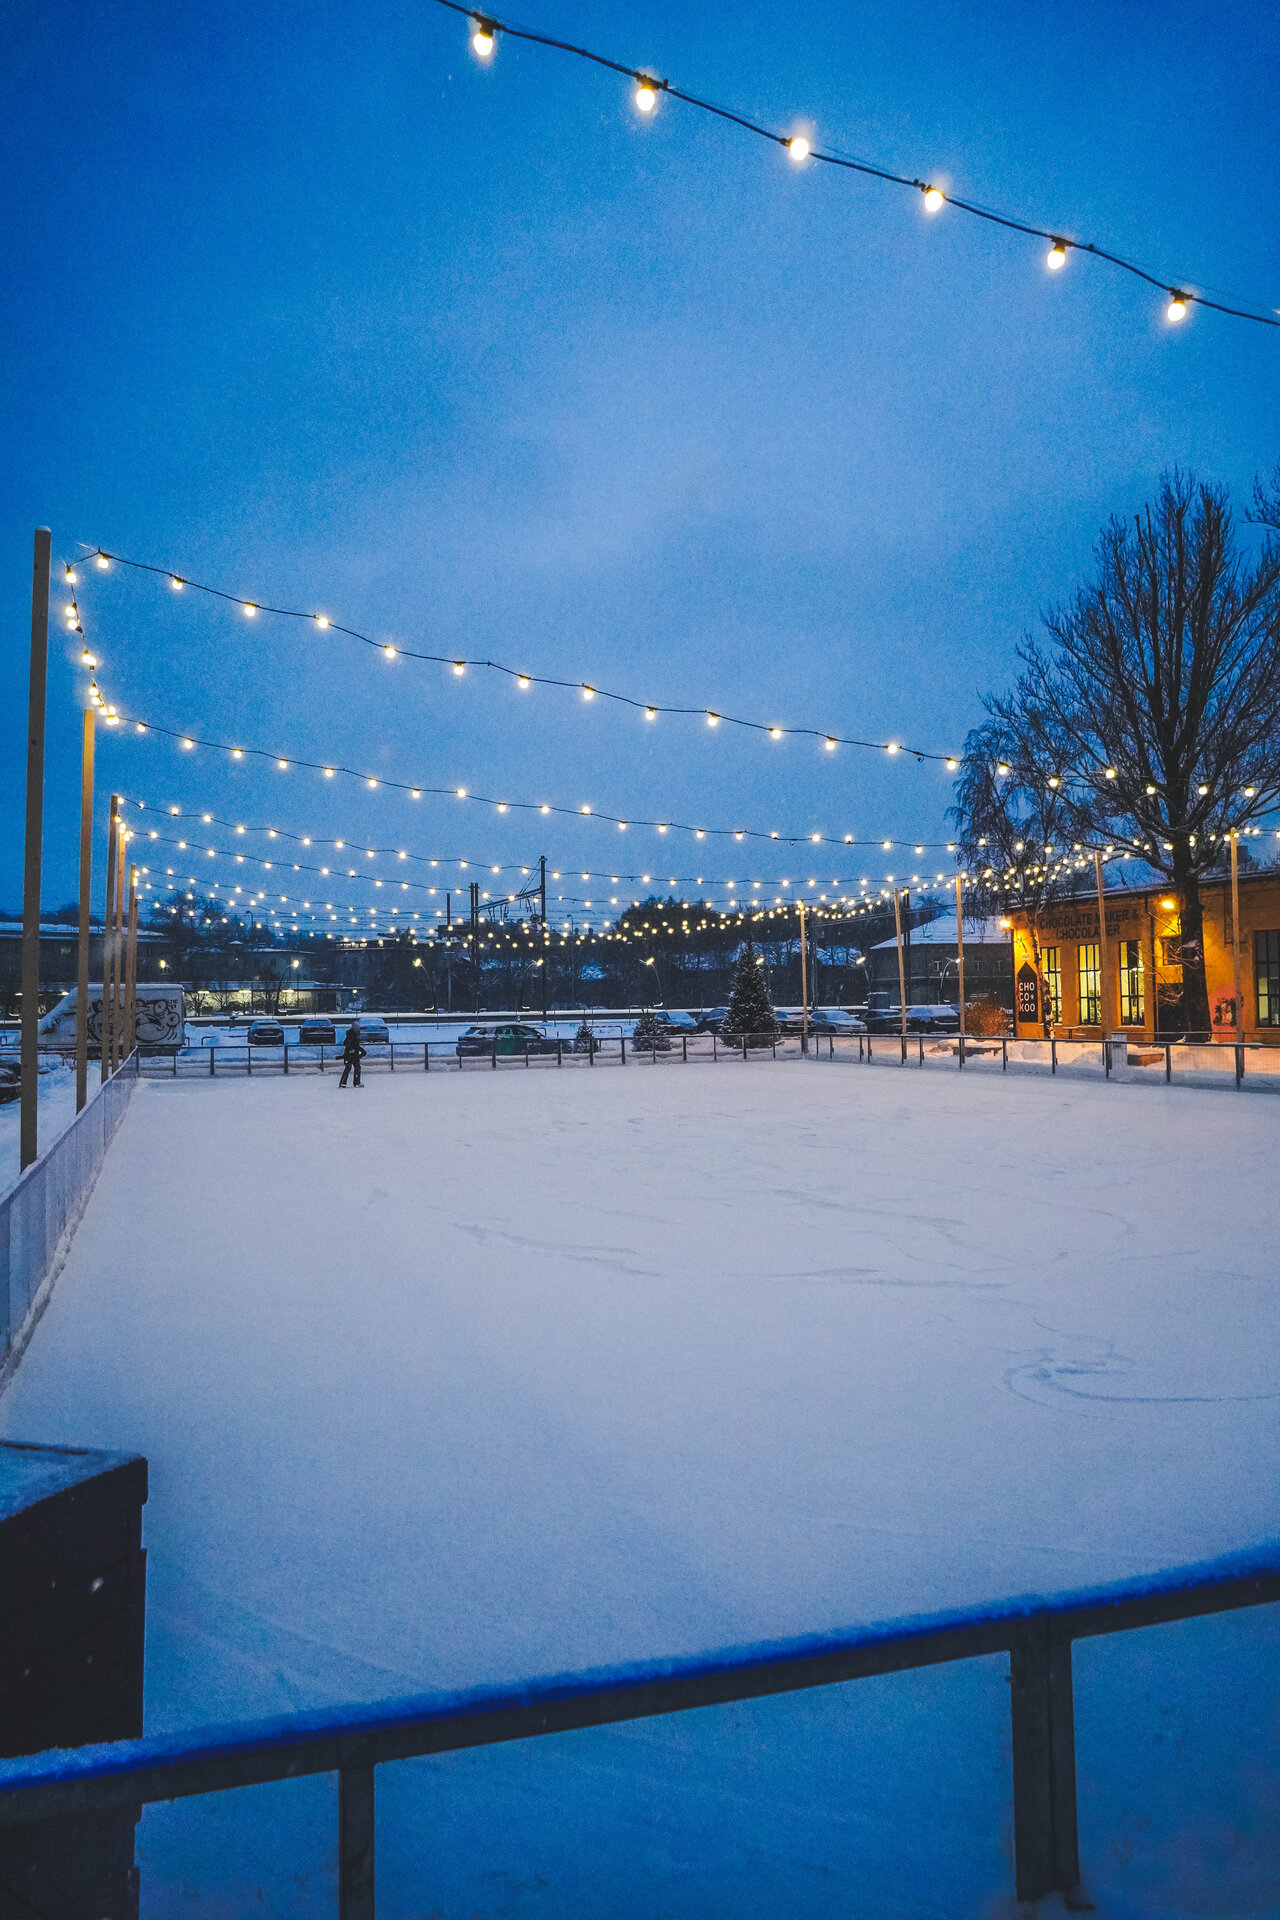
<point x="750" y="1015"/>
<point x="583" y="1038"/>
<point x="649" y="1035"/>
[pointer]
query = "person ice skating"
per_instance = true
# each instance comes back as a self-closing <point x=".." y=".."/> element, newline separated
<point x="352" y="1055"/>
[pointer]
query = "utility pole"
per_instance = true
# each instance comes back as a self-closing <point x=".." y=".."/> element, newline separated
<point x="86" y="884"/>
<point x="960" y="951"/>
<point x="131" y="966"/>
<point x="475" y="942"/>
<point x="1235" y="939"/>
<point x="29" y="1067"/>
<point x="804" y="986"/>
<point x="902" y="972"/>
<point x="542" y="899"/>
<point x="108" y="936"/>
<point x="1104" y="965"/>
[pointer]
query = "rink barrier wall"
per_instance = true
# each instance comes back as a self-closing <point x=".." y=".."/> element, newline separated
<point x="1035" y="1633"/>
<point x="1252" y="1065"/>
<point x="39" y="1215"/>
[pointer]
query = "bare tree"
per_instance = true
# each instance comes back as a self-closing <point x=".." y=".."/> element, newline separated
<point x="1162" y="681"/>
<point x="1020" y="825"/>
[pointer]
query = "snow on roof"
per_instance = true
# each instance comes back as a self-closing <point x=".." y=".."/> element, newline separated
<point x="942" y="933"/>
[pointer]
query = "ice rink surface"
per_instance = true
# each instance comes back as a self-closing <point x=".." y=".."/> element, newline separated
<point x="465" y="1378"/>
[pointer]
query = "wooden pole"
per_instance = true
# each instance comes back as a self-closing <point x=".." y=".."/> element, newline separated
<point x="86" y="885"/>
<point x="1235" y="938"/>
<point x="902" y="972"/>
<point x="131" y="967"/>
<point x="1104" y="966"/>
<point x="960" y="950"/>
<point x="117" y="956"/>
<point x="108" y="934"/>
<point x="804" y="986"/>
<point x="29" y="1068"/>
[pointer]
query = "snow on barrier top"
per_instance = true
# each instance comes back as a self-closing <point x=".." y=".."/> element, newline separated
<point x="204" y="1759"/>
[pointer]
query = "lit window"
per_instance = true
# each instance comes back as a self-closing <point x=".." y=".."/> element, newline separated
<point x="1052" y="966"/>
<point x="1266" y="960"/>
<point x="1090" y="985"/>
<point x="1131" y="970"/>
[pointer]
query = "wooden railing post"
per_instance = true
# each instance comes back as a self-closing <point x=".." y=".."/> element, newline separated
<point x="355" y="1843"/>
<point x="1046" y="1842"/>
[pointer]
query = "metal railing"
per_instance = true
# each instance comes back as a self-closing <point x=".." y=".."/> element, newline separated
<point x="1036" y="1635"/>
<point x="40" y="1213"/>
<point x="1253" y="1065"/>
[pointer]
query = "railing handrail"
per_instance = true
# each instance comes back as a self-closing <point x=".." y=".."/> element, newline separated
<point x="80" y="1119"/>
<point x="209" y="1759"/>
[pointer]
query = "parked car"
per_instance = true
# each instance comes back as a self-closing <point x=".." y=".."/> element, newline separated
<point x="373" y="1033"/>
<point x="511" y="1037"/>
<point x="265" y="1033"/>
<point x="835" y="1020"/>
<point x="317" y="1033"/>
<point x="712" y="1021"/>
<point x="921" y="1019"/>
<point x="10" y="1082"/>
<point x="791" y="1021"/>
<point x="675" y="1021"/>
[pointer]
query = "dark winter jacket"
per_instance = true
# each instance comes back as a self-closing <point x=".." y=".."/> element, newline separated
<point x="351" y="1048"/>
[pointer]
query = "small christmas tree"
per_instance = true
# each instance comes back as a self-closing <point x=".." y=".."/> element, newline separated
<point x="583" y="1038"/>
<point x="650" y="1035"/>
<point x="750" y="1016"/>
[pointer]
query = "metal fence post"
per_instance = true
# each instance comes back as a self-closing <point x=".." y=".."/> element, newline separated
<point x="391" y="1049"/>
<point x="1046" y="1844"/>
<point x="714" y="1054"/>
<point x="559" y="1044"/>
<point x="920" y="1038"/>
<point x="355" y="1843"/>
<point x="1004" y="1056"/>
<point x="744" y="1048"/>
<point x="286" y="1056"/>
<point x="213" y="1054"/>
<point x="684" y="1048"/>
<point x="622" y="1042"/>
<point x="1053" y="1053"/>
<point x="426" y="1056"/>
<point x="526" y="1053"/>
<point x="495" y="1056"/>
<point x="1239" y="1064"/>
<point x="1106" y="1057"/>
<point x="962" y="1052"/>
<point x="904" y="1049"/>
<point x="1168" y="1062"/>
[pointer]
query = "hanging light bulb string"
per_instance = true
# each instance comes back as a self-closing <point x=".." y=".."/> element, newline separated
<point x="460" y="663"/>
<point x="648" y="89"/>
<point x="334" y="768"/>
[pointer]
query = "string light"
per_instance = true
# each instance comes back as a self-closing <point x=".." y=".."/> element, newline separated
<point x="645" y="97"/>
<point x="1056" y="256"/>
<point x="1177" y="306"/>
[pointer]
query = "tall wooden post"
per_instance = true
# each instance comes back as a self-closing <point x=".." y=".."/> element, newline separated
<point x="542" y="898"/>
<point x="117" y="956"/>
<point x="30" y="1053"/>
<point x="1235" y="938"/>
<point x="902" y="972"/>
<point x="960" y="949"/>
<point x="804" y="985"/>
<point x="86" y="885"/>
<point x="1105" y="1011"/>
<point x="108" y="934"/>
<point x="131" y="967"/>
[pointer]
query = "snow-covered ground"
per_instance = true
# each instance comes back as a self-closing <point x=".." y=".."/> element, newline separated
<point x="463" y="1378"/>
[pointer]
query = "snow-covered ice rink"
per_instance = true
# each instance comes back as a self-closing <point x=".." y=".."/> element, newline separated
<point x="468" y="1377"/>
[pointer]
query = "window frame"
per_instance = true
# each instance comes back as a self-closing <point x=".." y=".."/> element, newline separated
<point x="1266" y="976"/>
<point x="1051" y="971"/>
<point x="1093" y="997"/>
<point x="1132" y="973"/>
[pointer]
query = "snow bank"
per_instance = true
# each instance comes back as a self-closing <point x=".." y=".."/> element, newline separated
<point x="458" y="1379"/>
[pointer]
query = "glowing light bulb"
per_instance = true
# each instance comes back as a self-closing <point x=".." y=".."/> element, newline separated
<point x="70" y="576"/>
<point x="282" y="764"/>
<point x="713" y="719"/>
<point x="88" y="658"/>
<point x="831" y="746"/>
<point x="523" y="680"/>
<point x="176" y="583"/>
<point x="799" y="148"/>
<point x="1177" y="306"/>
<point x="482" y="39"/>
<point x="933" y="199"/>
<point x="461" y="792"/>
<point x="892" y="747"/>
<point x="390" y="652"/>
<point x="188" y="743"/>
<point x="1056" y="256"/>
<point x="459" y="666"/>
<point x="1002" y="767"/>
<point x="952" y="765"/>
<point x="588" y="693"/>
<point x="102" y="561"/>
<point x="1109" y="773"/>
<point x="646" y="96"/>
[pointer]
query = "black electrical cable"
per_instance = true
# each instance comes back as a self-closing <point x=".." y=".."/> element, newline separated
<point x="831" y="159"/>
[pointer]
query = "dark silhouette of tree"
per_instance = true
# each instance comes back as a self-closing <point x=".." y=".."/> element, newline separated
<point x="1161" y="681"/>
<point x="1021" y="832"/>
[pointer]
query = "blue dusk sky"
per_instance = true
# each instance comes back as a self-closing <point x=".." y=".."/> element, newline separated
<point x="306" y="302"/>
